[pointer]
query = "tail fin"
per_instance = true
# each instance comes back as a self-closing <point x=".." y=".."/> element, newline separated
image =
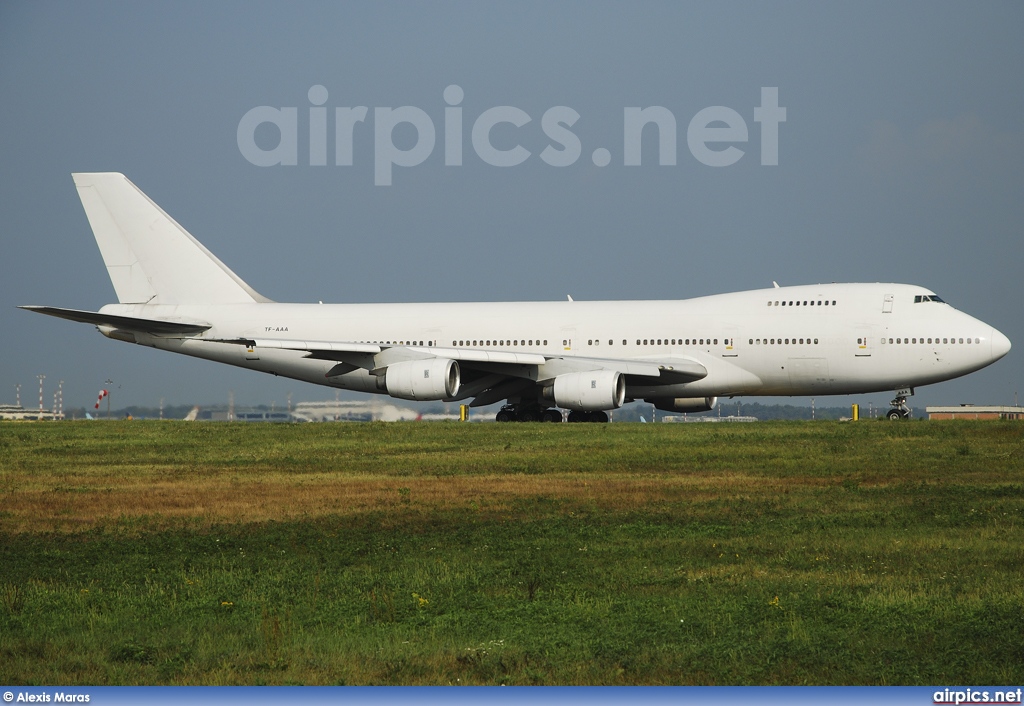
<point x="149" y="257"/>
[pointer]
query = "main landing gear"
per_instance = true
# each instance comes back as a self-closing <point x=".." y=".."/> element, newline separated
<point x="588" y="416"/>
<point x="536" y="413"/>
<point x="528" y="413"/>
<point x="899" y="410"/>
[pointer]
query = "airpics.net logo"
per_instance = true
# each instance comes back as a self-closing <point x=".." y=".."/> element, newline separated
<point x="971" y="697"/>
<point x="712" y="134"/>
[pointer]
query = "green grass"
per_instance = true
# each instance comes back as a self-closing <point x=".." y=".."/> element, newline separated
<point x="781" y="553"/>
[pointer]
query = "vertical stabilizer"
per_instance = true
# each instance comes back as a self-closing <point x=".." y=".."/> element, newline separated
<point x="149" y="257"/>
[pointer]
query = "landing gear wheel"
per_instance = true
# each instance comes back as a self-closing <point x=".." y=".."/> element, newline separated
<point x="551" y="415"/>
<point x="588" y="416"/>
<point x="505" y="416"/>
<point x="529" y="415"/>
<point x="899" y="410"/>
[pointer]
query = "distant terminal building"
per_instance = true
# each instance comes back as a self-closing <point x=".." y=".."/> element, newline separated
<point x="970" y="411"/>
<point x="330" y="411"/>
<point x="13" y="411"/>
<point x="681" y="418"/>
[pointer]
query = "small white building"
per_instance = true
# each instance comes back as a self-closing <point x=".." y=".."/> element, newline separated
<point x="970" y="411"/>
<point x="13" y="411"/>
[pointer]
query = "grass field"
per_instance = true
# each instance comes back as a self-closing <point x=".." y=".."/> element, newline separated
<point x="768" y="553"/>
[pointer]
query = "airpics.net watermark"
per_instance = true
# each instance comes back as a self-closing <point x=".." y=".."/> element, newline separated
<point x="712" y="134"/>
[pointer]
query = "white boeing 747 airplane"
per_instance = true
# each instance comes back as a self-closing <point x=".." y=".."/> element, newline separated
<point x="586" y="357"/>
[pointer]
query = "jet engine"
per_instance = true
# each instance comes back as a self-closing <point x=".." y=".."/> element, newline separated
<point x="427" y="379"/>
<point x="684" y="404"/>
<point x="590" y="391"/>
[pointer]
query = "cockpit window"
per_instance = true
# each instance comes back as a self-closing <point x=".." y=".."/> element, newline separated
<point x="927" y="298"/>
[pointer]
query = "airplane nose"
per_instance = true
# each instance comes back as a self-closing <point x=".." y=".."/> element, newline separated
<point x="1000" y="345"/>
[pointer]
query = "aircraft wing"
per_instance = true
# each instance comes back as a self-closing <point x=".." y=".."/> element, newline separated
<point x="342" y="351"/>
<point x="488" y="375"/>
<point x="322" y="350"/>
<point x="374" y="356"/>
<point x="157" y="327"/>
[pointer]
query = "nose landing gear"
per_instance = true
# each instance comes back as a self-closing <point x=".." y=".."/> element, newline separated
<point x="899" y="410"/>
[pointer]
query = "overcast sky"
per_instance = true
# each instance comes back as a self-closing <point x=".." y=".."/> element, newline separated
<point x="901" y="159"/>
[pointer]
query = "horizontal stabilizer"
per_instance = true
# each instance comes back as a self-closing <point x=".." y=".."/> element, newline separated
<point x="126" y="323"/>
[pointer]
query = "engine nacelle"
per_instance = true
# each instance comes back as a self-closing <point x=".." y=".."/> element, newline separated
<point x="684" y="404"/>
<point x="588" y="392"/>
<point x="428" y="379"/>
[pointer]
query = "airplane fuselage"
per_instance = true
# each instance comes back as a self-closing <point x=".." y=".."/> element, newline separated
<point x="803" y="340"/>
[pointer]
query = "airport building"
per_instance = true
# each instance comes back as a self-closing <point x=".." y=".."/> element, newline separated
<point x="682" y="418"/>
<point x="13" y="411"/>
<point x="970" y="411"/>
<point x="328" y="411"/>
